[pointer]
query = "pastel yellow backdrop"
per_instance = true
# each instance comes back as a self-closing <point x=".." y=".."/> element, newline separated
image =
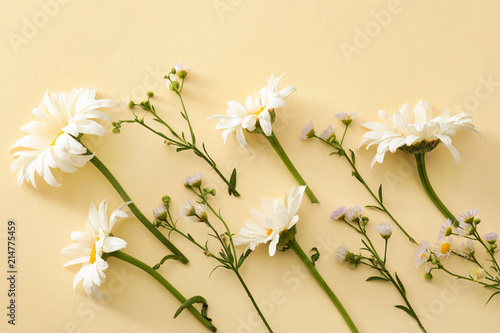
<point x="341" y="56"/>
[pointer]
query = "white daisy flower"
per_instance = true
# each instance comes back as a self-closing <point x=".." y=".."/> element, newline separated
<point x="328" y="134"/>
<point x="188" y="209"/>
<point x="353" y="214"/>
<point x="339" y="213"/>
<point x="414" y="131"/>
<point x="307" y="131"/>
<point x="90" y="246"/>
<point x="423" y="255"/>
<point x="201" y="213"/>
<point x="257" y="109"/>
<point x="443" y="247"/>
<point x="342" y="253"/>
<point x="464" y="229"/>
<point x="384" y="229"/>
<point x="491" y="237"/>
<point x="477" y="274"/>
<point x="468" y="217"/>
<point x="193" y="180"/>
<point x="346" y="117"/>
<point x="275" y="217"/>
<point x="445" y="229"/>
<point x="160" y="213"/>
<point x="50" y="143"/>
<point x="466" y="248"/>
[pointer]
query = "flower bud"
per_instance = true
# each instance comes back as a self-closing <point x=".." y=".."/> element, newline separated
<point x="166" y="200"/>
<point x="131" y="104"/>
<point x="174" y="85"/>
<point x="181" y="74"/>
<point x="150" y="94"/>
<point x="115" y="130"/>
<point x="157" y="223"/>
<point x="428" y="276"/>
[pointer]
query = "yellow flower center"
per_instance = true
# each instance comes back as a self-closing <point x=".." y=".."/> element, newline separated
<point x="445" y="248"/>
<point x="260" y="111"/>
<point x="93" y="253"/>
<point x="424" y="256"/>
<point x="58" y="135"/>
<point x="269" y="232"/>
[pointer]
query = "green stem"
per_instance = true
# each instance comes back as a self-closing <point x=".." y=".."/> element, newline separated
<point x="158" y="277"/>
<point x="310" y="266"/>
<point x="273" y="140"/>
<point x="252" y="299"/>
<point x="133" y="207"/>
<point x="428" y="188"/>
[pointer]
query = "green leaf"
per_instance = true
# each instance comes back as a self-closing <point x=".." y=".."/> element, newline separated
<point x="353" y="157"/>
<point x="374" y="207"/>
<point x="489" y="299"/>
<point x="165" y="258"/>
<point x="405" y="309"/>
<point x="358" y="177"/>
<point x="380" y="193"/>
<point x="400" y="284"/>
<point x="243" y="256"/>
<point x="372" y="278"/>
<point x="182" y="148"/>
<point x="315" y="255"/>
<point x="191" y="301"/>
<point x="232" y="182"/>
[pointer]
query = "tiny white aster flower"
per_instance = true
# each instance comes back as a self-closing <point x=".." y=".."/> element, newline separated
<point x="339" y="213"/>
<point x="414" y="131"/>
<point x="276" y="216"/>
<point x="353" y="214"/>
<point x="423" y="255"/>
<point x="328" y="134"/>
<point x="342" y="253"/>
<point x="468" y="217"/>
<point x="384" y="229"/>
<point x="257" y="109"/>
<point x="50" y="143"/>
<point x="90" y="246"/>
<point x="443" y="247"/>
<point x="201" y="213"/>
<point x="491" y="237"/>
<point x="346" y="117"/>
<point x="188" y="209"/>
<point x="193" y="180"/>
<point x="466" y="248"/>
<point x="160" y="213"/>
<point x="477" y="274"/>
<point x="464" y="229"/>
<point x="445" y="229"/>
<point x="307" y="131"/>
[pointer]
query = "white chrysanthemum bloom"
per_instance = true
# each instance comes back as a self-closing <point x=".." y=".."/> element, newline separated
<point x="423" y="255"/>
<point x="346" y="117"/>
<point x="193" y="180"/>
<point x="353" y="214"/>
<point x="307" y="131"/>
<point x="414" y="131"/>
<point x="384" y="229"/>
<point x="50" y="143"/>
<point x="443" y="247"/>
<point x="466" y="248"/>
<point x="445" y="229"/>
<point x="477" y="274"/>
<point x="468" y="217"/>
<point x="188" y="209"/>
<point x="342" y="253"/>
<point x="257" y="109"/>
<point x="339" y="213"/>
<point x="328" y="134"/>
<point x="275" y="217"/>
<point x="91" y="244"/>
<point x="491" y="237"/>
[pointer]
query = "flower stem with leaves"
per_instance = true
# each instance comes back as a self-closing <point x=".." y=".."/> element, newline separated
<point x="186" y="303"/>
<point x="175" y="139"/>
<point x="331" y="140"/>
<point x="227" y="257"/>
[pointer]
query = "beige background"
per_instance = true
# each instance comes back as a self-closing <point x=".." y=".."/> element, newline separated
<point x="361" y="57"/>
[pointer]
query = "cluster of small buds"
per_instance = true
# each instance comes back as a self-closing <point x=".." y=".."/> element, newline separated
<point x="179" y="72"/>
<point x="116" y="127"/>
<point x="346" y="117"/>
